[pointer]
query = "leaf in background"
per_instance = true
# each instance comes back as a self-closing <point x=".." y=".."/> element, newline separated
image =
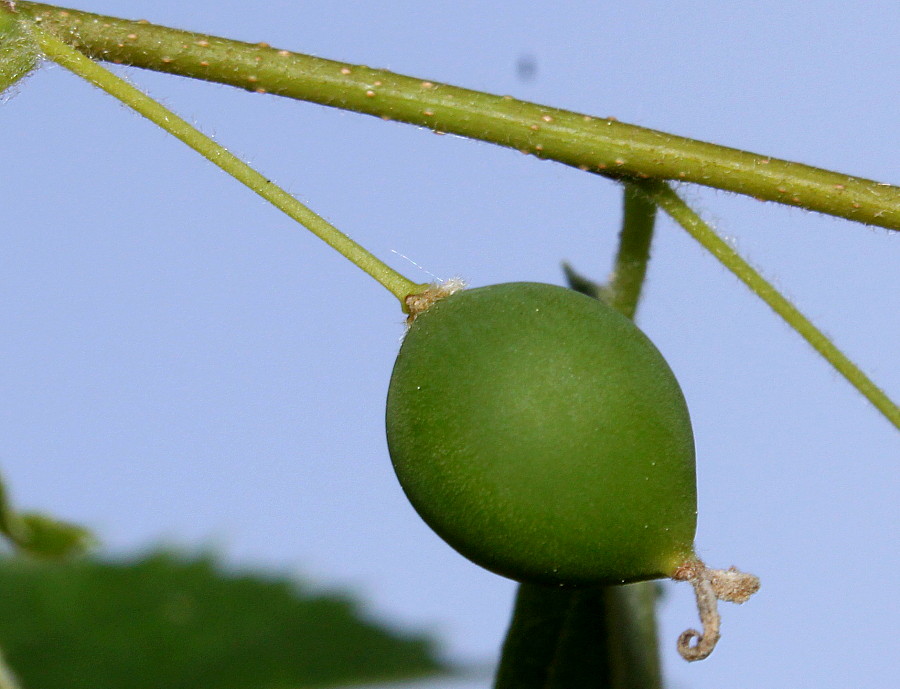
<point x="46" y="537"/>
<point x="40" y="535"/>
<point x="168" y="621"/>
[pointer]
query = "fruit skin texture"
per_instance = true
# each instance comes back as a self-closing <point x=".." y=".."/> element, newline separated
<point x="544" y="437"/>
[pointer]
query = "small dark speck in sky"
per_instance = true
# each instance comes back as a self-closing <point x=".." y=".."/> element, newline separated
<point x="526" y="67"/>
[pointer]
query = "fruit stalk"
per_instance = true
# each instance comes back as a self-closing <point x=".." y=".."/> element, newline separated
<point x="71" y="59"/>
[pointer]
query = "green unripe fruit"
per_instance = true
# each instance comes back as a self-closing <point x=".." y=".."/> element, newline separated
<point x="18" y="54"/>
<point x="544" y="437"/>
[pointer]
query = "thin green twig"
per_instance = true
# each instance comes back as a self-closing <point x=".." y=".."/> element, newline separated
<point x="663" y="195"/>
<point x="63" y="54"/>
<point x="591" y="143"/>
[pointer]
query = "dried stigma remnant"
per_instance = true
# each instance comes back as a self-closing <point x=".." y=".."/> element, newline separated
<point x="711" y="586"/>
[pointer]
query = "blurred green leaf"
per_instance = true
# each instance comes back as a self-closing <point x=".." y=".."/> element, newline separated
<point x="168" y="621"/>
<point x="46" y="537"/>
<point x="41" y="535"/>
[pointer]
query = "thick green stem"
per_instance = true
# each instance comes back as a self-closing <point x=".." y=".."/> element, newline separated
<point x="661" y="194"/>
<point x="596" y="144"/>
<point x="556" y="640"/>
<point x="71" y="59"/>
<point x="634" y="641"/>
<point x="597" y="638"/>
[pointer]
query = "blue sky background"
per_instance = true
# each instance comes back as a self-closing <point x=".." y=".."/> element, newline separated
<point x="182" y="364"/>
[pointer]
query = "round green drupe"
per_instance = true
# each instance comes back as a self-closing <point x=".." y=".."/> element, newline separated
<point x="18" y="54"/>
<point x="544" y="437"/>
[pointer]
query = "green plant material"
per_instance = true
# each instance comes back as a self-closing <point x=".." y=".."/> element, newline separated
<point x="596" y="638"/>
<point x="171" y="621"/>
<point x="603" y="637"/>
<point x="71" y="59"/>
<point x="638" y="218"/>
<point x="40" y="535"/>
<point x="585" y="285"/>
<point x="46" y="537"/>
<point x="633" y="640"/>
<point x="402" y="287"/>
<point x="549" y="646"/>
<point x="18" y="54"/>
<point x="624" y="288"/>
<point x="543" y="436"/>
<point x="594" y="144"/>
<point x="660" y="193"/>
